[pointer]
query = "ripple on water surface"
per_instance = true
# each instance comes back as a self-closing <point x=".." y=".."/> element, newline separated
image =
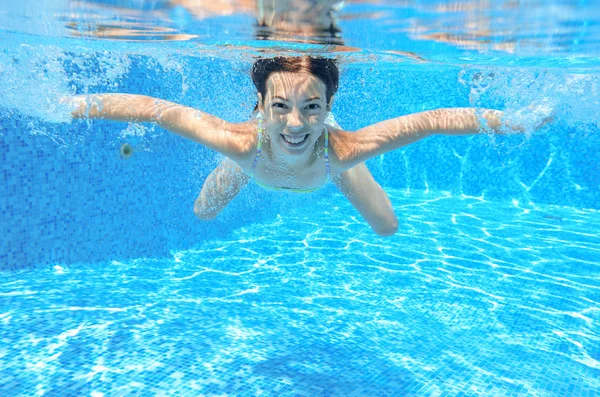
<point x="470" y="296"/>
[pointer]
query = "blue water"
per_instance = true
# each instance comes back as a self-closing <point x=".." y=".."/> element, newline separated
<point x="471" y="298"/>
<point x="109" y="286"/>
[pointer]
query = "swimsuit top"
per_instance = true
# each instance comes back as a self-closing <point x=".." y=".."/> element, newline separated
<point x="283" y="188"/>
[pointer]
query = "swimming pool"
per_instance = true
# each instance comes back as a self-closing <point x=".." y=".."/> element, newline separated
<point x="111" y="287"/>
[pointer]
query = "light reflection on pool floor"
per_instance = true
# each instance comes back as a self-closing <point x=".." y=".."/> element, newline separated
<point x="470" y="298"/>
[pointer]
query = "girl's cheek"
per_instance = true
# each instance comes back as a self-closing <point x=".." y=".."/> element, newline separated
<point x="274" y="123"/>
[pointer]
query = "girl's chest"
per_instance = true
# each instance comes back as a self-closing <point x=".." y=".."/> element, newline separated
<point x="281" y="175"/>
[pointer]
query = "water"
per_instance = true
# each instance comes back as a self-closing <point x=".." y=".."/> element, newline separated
<point x="110" y="287"/>
<point x="471" y="297"/>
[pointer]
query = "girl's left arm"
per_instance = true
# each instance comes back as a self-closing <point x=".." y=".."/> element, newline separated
<point x="353" y="148"/>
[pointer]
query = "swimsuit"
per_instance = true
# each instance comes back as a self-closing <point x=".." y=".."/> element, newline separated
<point x="283" y="188"/>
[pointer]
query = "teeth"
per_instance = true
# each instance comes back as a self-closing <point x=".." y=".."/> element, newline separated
<point x="294" y="140"/>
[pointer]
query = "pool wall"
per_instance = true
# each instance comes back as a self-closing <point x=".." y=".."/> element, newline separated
<point x="68" y="196"/>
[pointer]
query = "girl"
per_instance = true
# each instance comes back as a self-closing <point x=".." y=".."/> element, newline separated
<point x="292" y="145"/>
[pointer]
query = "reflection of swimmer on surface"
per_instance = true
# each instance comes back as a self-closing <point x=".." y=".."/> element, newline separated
<point x="291" y="146"/>
<point x="301" y="21"/>
<point x="285" y="20"/>
<point x="475" y="30"/>
<point x="312" y="21"/>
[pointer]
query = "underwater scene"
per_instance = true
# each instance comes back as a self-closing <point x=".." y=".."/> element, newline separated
<point x="299" y="198"/>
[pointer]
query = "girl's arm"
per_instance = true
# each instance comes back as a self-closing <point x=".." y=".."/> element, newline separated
<point x="356" y="147"/>
<point x="232" y="140"/>
<point x="369" y="199"/>
<point x="220" y="187"/>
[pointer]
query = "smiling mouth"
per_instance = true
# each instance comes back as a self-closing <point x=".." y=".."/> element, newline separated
<point x="295" y="140"/>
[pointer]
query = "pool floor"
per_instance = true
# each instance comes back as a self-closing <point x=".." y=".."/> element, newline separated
<point x="469" y="298"/>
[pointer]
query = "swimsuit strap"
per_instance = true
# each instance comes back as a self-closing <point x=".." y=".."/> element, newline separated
<point x="326" y="154"/>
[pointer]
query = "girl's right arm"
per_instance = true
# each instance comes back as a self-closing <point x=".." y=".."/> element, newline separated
<point x="220" y="187"/>
<point x="235" y="141"/>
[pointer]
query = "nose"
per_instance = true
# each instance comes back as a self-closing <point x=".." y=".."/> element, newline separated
<point x="295" y="121"/>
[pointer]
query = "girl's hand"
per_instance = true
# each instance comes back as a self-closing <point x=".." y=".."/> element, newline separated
<point x="545" y="111"/>
<point x="531" y="118"/>
<point x="77" y="105"/>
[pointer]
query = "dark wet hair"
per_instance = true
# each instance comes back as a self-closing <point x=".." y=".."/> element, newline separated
<point x="324" y="68"/>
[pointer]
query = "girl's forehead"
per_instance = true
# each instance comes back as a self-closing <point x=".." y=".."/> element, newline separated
<point x="280" y="83"/>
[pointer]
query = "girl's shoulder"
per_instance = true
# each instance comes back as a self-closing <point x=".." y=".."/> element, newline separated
<point x="341" y="144"/>
<point x="246" y="138"/>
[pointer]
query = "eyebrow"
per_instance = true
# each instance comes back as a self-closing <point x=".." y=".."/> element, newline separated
<point x="307" y="100"/>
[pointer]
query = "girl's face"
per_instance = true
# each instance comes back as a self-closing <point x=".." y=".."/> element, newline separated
<point x="294" y="111"/>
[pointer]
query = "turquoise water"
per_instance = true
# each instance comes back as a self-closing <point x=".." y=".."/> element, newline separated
<point x="471" y="298"/>
<point x="109" y="286"/>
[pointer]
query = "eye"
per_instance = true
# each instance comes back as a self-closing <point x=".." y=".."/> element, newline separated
<point x="279" y="105"/>
<point x="313" y="106"/>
